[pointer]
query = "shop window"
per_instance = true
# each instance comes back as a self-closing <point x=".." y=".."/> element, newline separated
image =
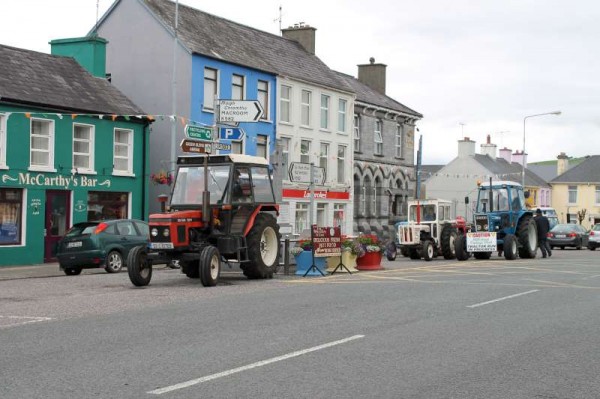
<point x="338" y="216"/>
<point x="301" y="217"/>
<point x="11" y="205"/>
<point x="322" y="214"/>
<point x="104" y="205"/>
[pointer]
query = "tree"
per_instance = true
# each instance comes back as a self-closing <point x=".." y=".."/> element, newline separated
<point x="581" y="215"/>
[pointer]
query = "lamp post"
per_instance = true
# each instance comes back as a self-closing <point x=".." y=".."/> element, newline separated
<point x="523" y="155"/>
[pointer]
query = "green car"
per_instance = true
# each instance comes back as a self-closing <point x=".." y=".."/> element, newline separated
<point x="97" y="244"/>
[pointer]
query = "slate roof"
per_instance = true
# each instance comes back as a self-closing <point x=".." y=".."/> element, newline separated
<point x="428" y="170"/>
<point x="500" y="166"/>
<point x="587" y="171"/>
<point x="228" y="41"/>
<point x="39" y="79"/>
<point x="368" y="95"/>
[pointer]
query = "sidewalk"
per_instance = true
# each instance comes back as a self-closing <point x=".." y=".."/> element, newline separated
<point x="31" y="271"/>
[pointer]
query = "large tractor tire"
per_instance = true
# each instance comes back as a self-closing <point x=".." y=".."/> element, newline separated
<point x="391" y="252"/>
<point x="210" y="266"/>
<point x="510" y="247"/>
<point x="460" y="248"/>
<point x="448" y="241"/>
<point x="138" y="267"/>
<point x="414" y="253"/>
<point x="263" y="247"/>
<point x="527" y="236"/>
<point x="428" y="250"/>
<point x="482" y="255"/>
<point x="404" y="252"/>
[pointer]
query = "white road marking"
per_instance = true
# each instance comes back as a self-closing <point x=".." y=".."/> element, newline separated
<point x="200" y="380"/>
<point x="21" y="320"/>
<point x="501" y="299"/>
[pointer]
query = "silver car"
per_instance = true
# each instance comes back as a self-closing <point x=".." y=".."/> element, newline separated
<point x="594" y="241"/>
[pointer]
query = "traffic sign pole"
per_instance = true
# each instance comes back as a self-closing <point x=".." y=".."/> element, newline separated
<point x="312" y="197"/>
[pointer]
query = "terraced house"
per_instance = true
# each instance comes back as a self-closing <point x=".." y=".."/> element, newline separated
<point x="72" y="148"/>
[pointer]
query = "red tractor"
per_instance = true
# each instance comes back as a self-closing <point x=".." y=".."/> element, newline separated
<point x="222" y="209"/>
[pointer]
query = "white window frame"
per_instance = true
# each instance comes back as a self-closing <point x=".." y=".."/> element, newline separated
<point x="378" y="138"/>
<point x="3" y="140"/>
<point x="209" y="98"/>
<point x="337" y="207"/>
<point x="324" y="157"/>
<point x="302" y="209"/>
<point x="356" y="133"/>
<point x="285" y="157"/>
<point x="285" y="103"/>
<point x="129" y="145"/>
<point x="322" y="214"/>
<point x="342" y="111"/>
<point x="569" y="192"/>
<point x="341" y="164"/>
<point x="399" y="140"/>
<point x="51" y="133"/>
<point x="305" y="108"/>
<point x="305" y="156"/>
<point x="241" y="143"/>
<point x="597" y="192"/>
<point x="266" y="145"/>
<point x="239" y="85"/>
<point x="91" y="146"/>
<point x="264" y="102"/>
<point x="324" y="120"/>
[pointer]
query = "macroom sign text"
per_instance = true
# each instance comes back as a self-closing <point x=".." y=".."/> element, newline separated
<point x="44" y="180"/>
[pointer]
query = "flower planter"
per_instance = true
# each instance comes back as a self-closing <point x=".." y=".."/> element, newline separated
<point x="304" y="262"/>
<point x="348" y="259"/>
<point x="370" y="261"/>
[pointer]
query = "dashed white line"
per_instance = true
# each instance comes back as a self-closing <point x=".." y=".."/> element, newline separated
<point x="21" y="320"/>
<point x="200" y="380"/>
<point x="501" y="299"/>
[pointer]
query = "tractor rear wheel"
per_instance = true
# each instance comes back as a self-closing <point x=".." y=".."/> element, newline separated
<point x="263" y="247"/>
<point x="138" y="267"/>
<point x="210" y="266"/>
<point x="527" y="235"/>
<point x="448" y="241"/>
<point x="460" y="247"/>
<point x="510" y="247"/>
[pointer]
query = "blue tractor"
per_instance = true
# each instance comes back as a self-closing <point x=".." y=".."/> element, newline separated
<point x="502" y="223"/>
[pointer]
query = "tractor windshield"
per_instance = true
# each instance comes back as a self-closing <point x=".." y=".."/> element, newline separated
<point x="426" y="213"/>
<point x="189" y="184"/>
<point x="500" y="200"/>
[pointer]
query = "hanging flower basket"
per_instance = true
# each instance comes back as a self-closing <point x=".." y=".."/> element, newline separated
<point x="161" y="177"/>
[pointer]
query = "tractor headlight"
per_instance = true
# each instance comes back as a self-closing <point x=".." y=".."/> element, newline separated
<point x="154" y="232"/>
<point x="166" y="232"/>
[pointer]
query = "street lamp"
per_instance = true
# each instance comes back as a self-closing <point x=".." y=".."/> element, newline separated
<point x="523" y="155"/>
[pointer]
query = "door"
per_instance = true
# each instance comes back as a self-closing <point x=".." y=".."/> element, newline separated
<point x="58" y="212"/>
<point x="129" y="237"/>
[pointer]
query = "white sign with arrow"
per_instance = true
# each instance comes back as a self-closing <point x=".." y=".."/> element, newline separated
<point x="239" y="111"/>
<point x="300" y="173"/>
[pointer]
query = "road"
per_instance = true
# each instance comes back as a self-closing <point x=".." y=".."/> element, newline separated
<point x="440" y="329"/>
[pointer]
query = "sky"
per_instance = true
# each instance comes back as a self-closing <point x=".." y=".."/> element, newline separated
<point x="471" y="67"/>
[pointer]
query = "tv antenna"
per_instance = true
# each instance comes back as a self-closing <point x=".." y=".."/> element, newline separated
<point x="279" y="18"/>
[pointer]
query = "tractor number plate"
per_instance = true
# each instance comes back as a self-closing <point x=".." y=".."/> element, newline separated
<point x="161" y="245"/>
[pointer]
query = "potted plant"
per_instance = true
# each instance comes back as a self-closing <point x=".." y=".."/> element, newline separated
<point x="351" y="249"/>
<point x="302" y="252"/>
<point x="161" y="177"/>
<point x="373" y="253"/>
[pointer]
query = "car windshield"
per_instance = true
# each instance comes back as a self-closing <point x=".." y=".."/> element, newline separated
<point x="596" y="227"/>
<point x="81" y="229"/>
<point x="563" y="228"/>
<point x="189" y="184"/>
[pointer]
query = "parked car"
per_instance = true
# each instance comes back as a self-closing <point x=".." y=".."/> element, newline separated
<point x="568" y="235"/>
<point x="97" y="244"/>
<point x="594" y="241"/>
<point x="551" y="214"/>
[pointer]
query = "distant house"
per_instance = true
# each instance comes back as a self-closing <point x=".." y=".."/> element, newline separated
<point x="72" y="148"/>
<point x="548" y="170"/>
<point x="578" y="190"/>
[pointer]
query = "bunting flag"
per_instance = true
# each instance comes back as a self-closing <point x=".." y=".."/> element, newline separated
<point x="114" y="117"/>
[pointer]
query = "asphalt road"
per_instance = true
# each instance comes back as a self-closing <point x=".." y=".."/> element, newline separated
<point x="440" y="329"/>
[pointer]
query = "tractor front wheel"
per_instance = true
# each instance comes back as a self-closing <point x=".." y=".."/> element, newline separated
<point x="527" y="235"/>
<point x="510" y="247"/>
<point x="138" y="267"/>
<point x="263" y="247"/>
<point x="210" y="266"/>
<point x="428" y="250"/>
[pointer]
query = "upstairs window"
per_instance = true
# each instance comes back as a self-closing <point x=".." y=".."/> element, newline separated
<point x="356" y="133"/>
<point x="572" y="194"/>
<point x="263" y="98"/>
<point x="210" y="88"/>
<point x="324" y="158"/>
<point x="341" y="167"/>
<point x="342" y="115"/>
<point x="42" y="144"/>
<point x="378" y="138"/>
<point x="262" y="146"/>
<point x="83" y="148"/>
<point x="237" y="87"/>
<point x="324" y="111"/>
<point x="285" y="156"/>
<point x="123" y="152"/>
<point x="305" y="151"/>
<point x="2" y="140"/>
<point x="399" y="139"/>
<point x="597" y="195"/>
<point x="305" y="108"/>
<point x="285" y="104"/>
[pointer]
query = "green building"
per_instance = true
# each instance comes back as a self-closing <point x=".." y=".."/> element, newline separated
<point x="72" y="148"/>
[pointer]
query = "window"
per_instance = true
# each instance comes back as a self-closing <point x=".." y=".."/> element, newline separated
<point x="399" y="139"/>
<point x="376" y="195"/>
<point x="597" y="195"/>
<point x="107" y="205"/>
<point x="356" y="133"/>
<point x="341" y="171"/>
<point x="285" y="104"/>
<point x="301" y="221"/>
<point x="42" y="144"/>
<point x="210" y="88"/>
<point x="285" y="157"/>
<point x="262" y="146"/>
<point x="11" y="204"/>
<point x="263" y="97"/>
<point x="342" y="115"/>
<point x="324" y="157"/>
<point x="324" y="111"/>
<point x="2" y="140"/>
<point x="378" y="138"/>
<point x="237" y="147"/>
<point x="123" y="152"/>
<point x="572" y="194"/>
<point x="262" y="185"/>
<point x="322" y="214"/>
<point x="83" y="148"/>
<point x="305" y="151"/>
<point x="237" y="87"/>
<point x="305" y="108"/>
<point x="338" y="215"/>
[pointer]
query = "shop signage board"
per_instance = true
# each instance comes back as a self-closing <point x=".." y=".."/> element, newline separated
<point x="196" y="147"/>
<point x="239" y="111"/>
<point x="300" y="173"/>
<point x="198" y="132"/>
<point x="481" y="242"/>
<point x="327" y="241"/>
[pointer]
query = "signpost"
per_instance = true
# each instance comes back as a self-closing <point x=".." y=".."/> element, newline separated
<point x="239" y="111"/>
<point x="198" y="132"/>
<point x="197" y="147"/>
<point x="300" y="173"/>
<point x="231" y="133"/>
<point x="481" y="242"/>
<point x="327" y="241"/>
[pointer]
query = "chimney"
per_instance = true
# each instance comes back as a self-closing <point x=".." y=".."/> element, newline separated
<point x="506" y="154"/>
<point x="303" y="34"/>
<point x="519" y="157"/>
<point x="563" y="163"/>
<point x="373" y="75"/>
<point x="466" y="148"/>
<point x="89" y="52"/>
<point x="488" y="148"/>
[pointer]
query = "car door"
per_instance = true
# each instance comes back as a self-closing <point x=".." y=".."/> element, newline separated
<point x="128" y="236"/>
<point x="585" y="236"/>
<point x="143" y="232"/>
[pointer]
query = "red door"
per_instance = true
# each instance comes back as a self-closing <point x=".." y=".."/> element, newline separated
<point x="58" y="212"/>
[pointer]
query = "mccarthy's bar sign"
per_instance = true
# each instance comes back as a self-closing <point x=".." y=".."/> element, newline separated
<point x="43" y="180"/>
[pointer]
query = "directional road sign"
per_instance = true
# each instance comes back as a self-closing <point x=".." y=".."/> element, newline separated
<point x="231" y="133"/>
<point x="197" y="147"/>
<point x="198" y="132"/>
<point x="300" y="173"/>
<point x="221" y="146"/>
<point x="239" y="111"/>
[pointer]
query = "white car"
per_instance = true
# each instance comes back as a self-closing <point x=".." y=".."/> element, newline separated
<point x="594" y="241"/>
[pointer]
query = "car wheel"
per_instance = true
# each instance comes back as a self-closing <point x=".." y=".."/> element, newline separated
<point x="591" y="247"/>
<point x="114" y="262"/>
<point x="72" y="271"/>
